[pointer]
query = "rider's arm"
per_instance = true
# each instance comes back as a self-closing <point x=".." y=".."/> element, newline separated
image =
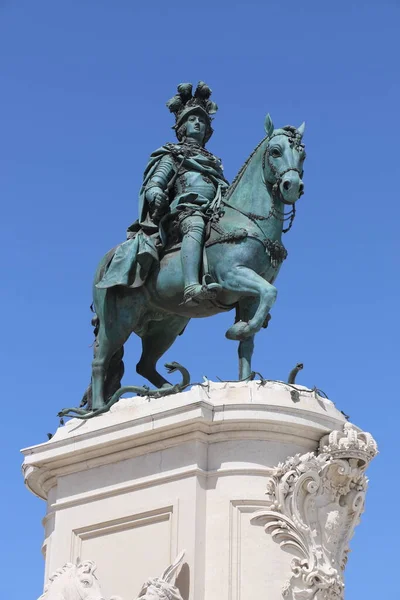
<point x="157" y="185"/>
<point x="220" y="169"/>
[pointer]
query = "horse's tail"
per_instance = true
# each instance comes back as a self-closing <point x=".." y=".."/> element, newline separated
<point x="116" y="367"/>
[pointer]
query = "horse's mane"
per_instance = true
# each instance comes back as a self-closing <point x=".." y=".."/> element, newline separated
<point x="66" y="568"/>
<point x="238" y="177"/>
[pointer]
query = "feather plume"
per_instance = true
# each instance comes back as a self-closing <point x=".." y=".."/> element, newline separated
<point x="202" y="91"/>
<point x="211" y="107"/>
<point x="185" y="91"/>
<point x="175" y="104"/>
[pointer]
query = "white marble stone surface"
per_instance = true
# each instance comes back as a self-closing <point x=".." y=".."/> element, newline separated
<point x="131" y="488"/>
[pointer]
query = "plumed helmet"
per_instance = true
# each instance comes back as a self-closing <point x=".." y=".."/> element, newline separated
<point x="185" y="103"/>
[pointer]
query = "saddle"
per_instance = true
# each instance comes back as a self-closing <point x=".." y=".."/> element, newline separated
<point x="215" y="234"/>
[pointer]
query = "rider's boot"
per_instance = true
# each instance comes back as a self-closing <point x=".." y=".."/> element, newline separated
<point x="193" y="229"/>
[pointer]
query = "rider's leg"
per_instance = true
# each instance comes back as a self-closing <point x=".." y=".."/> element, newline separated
<point x="192" y="229"/>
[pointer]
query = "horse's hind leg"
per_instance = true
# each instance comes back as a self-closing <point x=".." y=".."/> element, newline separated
<point x="105" y="349"/>
<point x="159" y="337"/>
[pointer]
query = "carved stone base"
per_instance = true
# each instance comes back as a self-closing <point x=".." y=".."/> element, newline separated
<point x="316" y="500"/>
<point x="131" y="488"/>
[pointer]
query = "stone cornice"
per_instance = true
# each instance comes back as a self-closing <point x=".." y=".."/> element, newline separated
<point x="209" y="414"/>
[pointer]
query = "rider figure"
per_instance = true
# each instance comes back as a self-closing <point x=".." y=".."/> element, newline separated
<point x="180" y="183"/>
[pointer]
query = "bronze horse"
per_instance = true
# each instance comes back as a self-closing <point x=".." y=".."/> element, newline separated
<point x="243" y="254"/>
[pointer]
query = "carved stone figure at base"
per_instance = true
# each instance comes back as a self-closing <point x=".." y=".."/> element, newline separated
<point x="161" y="588"/>
<point x="73" y="582"/>
<point x="79" y="582"/>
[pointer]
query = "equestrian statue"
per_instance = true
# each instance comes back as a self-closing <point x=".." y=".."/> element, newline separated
<point x="199" y="247"/>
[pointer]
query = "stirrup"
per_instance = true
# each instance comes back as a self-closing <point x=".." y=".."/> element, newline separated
<point x="197" y="293"/>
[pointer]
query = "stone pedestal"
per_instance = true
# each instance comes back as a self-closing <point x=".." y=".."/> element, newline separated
<point x="206" y="471"/>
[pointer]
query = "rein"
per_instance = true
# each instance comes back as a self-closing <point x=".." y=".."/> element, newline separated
<point x="279" y="175"/>
<point x="274" y="212"/>
<point x="276" y="251"/>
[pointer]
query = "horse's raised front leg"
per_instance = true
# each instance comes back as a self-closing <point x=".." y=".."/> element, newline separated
<point x="249" y="283"/>
<point x="245" y="352"/>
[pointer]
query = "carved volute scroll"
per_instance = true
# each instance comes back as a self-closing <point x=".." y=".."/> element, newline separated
<point x="316" y="500"/>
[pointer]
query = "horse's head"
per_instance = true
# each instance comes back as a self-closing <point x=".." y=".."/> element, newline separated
<point x="74" y="582"/>
<point x="283" y="161"/>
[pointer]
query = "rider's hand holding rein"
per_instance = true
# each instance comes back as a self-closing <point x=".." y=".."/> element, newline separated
<point x="158" y="201"/>
<point x="156" y="197"/>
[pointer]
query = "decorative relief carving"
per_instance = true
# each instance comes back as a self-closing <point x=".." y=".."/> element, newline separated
<point x="316" y="500"/>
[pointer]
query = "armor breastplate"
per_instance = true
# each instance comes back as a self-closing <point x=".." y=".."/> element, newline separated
<point x="192" y="181"/>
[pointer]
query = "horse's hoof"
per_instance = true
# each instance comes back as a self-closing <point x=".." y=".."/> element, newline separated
<point x="239" y="331"/>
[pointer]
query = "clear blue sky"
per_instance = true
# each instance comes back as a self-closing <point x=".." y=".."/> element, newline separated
<point x="83" y="91"/>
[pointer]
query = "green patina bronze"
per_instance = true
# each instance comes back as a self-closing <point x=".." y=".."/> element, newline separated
<point x="199" y="247"/>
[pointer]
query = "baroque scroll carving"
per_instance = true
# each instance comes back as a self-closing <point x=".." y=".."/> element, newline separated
<point x="316" y="502"/>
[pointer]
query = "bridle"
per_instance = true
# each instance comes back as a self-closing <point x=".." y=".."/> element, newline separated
<point x="276" y="194"/>
<point x="278" y="175"/>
